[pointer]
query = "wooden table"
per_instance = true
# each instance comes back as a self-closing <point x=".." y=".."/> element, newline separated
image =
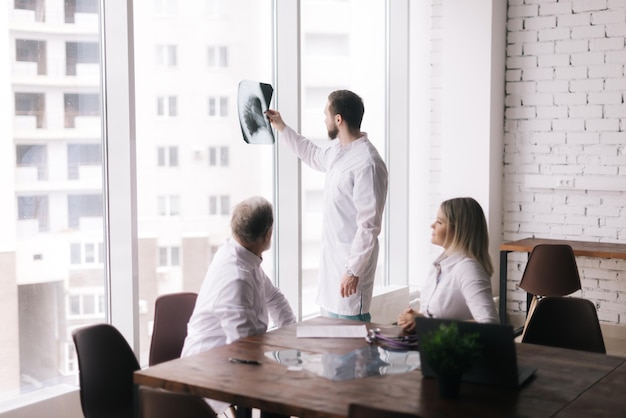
<point x="581" y="248"/>
<point x="564" y="378"/>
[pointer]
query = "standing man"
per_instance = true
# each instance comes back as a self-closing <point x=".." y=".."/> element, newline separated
<point x="355" y="191"/>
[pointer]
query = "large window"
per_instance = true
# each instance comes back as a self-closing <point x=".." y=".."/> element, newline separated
<point x="333" y="58"/>
<point x="184" y="213"/>
<point x="52" y="240"/>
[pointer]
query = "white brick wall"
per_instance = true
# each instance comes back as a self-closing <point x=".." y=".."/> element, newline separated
<point x="566" y="116"/>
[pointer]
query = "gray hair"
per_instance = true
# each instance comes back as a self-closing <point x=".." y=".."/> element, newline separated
<point x="251" y="219"/>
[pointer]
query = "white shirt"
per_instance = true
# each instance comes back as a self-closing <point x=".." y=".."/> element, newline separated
<point x="235" y="300"/>
<point x="355" y="190"/>
<point x="463" y="291"/>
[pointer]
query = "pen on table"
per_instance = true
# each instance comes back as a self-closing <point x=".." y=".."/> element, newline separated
<point x="243" y="361"/>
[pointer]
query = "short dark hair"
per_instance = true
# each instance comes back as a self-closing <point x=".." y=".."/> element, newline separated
<point x="251" y="219"/>
<point x="347" y="104"/>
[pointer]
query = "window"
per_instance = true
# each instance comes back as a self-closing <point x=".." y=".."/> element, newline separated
<point x="217" y="56"/>
<point x="80" y="105"/>
<point x="86" y="253"/>
<point x="75" y="8"/>
<point x="31" y="104"/>
<point x="27" y="50"/>
<point x="330" y="59"/>
<point x="165" y="8"/>
<point x="166" y="106"/>
<point x="33" y="156"/>
<point x="167" y="156"/>
<point x="82" y="58"/>
<point x="81" y="155"/>
<point x="168" y="205"/>
<point x="166" y="55"/>
<point x="34" y="208"/>
<point x="219" y="205"/>
<point x="169" y="256"/>
<point x="88" y="303"/>
<point x="37" y="6"/>
<point x="218" y="156"/>
<point x="84" y="206"/>
<point x="218" y="106"/>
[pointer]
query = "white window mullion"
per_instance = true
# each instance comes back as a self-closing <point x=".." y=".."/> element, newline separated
<point x="120" y="178"/>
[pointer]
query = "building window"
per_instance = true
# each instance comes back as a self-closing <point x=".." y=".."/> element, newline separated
<point x="37" y="6"/>
<point x="31" y="104"/>
<point x="81" y="206"/>
<point x="217" y="56"/>
<point x="86" y="253"/>
<point x="79" y="105"/>
<point x="218" y="106"/>
<point x="77" y="53"/>
<point x="167" y="156"/>
<point x="82" y="155"/>
<point x="86" y="303"/>
<point x="33" y="207"/>
<point x="165" y="8"/>
<point x="169" y="256"/>
<point x="27" y="50"/>
<point x="166" y="56"/>
<point x="33" y="156"/>
<point x="168" y="205"/>
<point x="72" y="7"/>
<point x="218" y="156"/>
<point x="219" y="205"/>
<point x="167" y="106"/>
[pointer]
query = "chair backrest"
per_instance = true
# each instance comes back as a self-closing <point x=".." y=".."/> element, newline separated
<point x="171" y="315"/>
<point x="565" y="322"/>
<point x="364" y="411"/>
<point x="106" y="365"/>
<point x="551" y="270"/>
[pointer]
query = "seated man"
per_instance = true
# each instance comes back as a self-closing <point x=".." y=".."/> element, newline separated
<point x="236" y="298"/>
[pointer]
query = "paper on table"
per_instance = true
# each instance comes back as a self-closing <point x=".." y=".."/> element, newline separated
<point x="331" y="331"/>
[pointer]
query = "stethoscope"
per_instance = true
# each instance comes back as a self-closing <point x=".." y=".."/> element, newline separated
<point x="401" y="343"/>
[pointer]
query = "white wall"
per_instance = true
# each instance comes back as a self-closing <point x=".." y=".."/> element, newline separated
<point x="565" y="122"/>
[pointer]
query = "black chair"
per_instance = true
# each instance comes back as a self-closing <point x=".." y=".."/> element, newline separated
<point x="364" y="411"/>
<point x="171" y="315"/>
<point x="566" y="322"/>
<point x="551" y="270"/>
<point x="105" y="368"/>
<point x="106" y="364"/>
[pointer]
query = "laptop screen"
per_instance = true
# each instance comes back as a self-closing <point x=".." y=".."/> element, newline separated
<point x="497" y="363"/>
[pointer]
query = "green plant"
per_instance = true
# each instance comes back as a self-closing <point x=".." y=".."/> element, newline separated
<point x="448" y="351"/>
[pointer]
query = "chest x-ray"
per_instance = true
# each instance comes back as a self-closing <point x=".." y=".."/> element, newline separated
<point x="253" y="99"/>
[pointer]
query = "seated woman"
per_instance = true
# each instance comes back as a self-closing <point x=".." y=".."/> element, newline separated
<point x="459" y="286"/>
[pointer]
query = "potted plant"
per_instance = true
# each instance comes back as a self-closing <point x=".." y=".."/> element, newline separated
<point x="450" y="354"/>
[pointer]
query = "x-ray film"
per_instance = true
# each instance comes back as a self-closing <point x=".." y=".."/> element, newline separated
<point x="253" y="100"/>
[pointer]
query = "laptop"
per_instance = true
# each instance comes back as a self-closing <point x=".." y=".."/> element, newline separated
<point x="497" y="364"/>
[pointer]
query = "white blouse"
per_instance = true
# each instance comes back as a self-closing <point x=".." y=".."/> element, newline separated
<point x="458" y="288"/>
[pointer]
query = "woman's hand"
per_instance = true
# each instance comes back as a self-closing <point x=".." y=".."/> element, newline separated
<point x="406" y="319"/>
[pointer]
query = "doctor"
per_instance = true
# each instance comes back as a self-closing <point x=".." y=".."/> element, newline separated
<point x="237" y="298"/>
<point x="355" y="191"/>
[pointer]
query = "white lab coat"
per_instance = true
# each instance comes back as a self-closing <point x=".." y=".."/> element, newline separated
<point x="355" y="191"/>
<point x="236" y="300"/>
<point x="462" y="293"/>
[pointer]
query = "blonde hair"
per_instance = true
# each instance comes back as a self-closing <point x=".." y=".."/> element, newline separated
<point x="468" y="226"/>
<point x="251" y="219"/>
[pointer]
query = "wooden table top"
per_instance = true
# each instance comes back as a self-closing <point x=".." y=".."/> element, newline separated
<point x="562" y="376"/>
<point x="580" y="248"/>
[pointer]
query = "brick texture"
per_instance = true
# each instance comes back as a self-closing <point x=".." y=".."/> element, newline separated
<point x="566" y="116"/>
